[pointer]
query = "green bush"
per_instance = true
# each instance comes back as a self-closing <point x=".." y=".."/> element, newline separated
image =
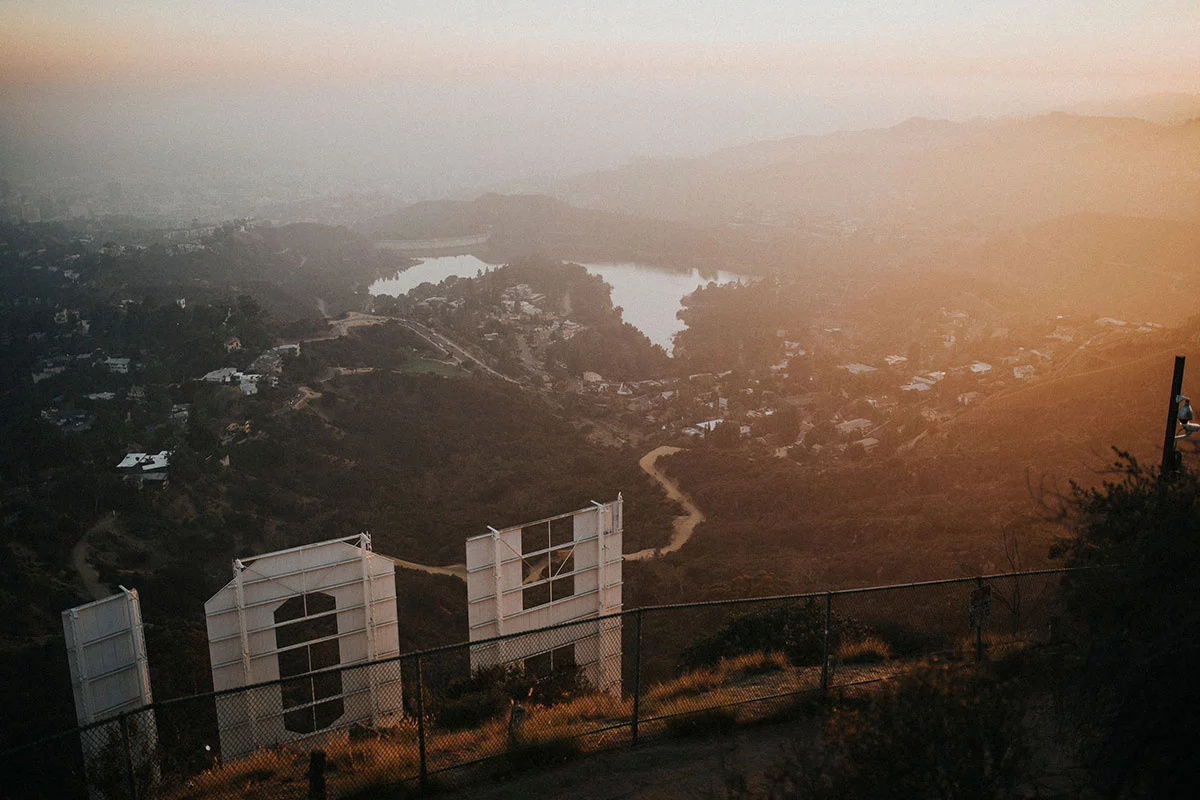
<point x="943" y="731"/>
<point x="471" y="710"/>
<point x="492" y="690"/>
<point x="796" y="630"/>
<point x="487" y="693"/>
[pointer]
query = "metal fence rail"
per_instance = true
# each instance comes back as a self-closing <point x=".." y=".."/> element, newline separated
<point x="470" y="708"/>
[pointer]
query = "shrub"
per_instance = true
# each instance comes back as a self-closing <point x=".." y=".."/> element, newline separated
<point x="492" y="690"/>
<point x="942" y="731"/>
<point x="796" y="630"/>
<point x="471" y="710"/>
<point x="867" y="650"/>
<point x="753" y="664"/>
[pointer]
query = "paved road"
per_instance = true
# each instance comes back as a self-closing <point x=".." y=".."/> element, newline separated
<point x="339" y="327"/>
<point x="444" y="344"/>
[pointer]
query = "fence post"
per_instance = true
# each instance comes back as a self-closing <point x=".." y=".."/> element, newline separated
<point x="316" y="775"/>
<point x="825" y="642"/>
<point x="127" y="746"/>
<point x="424" y="773"/>
<point x="979" y="619"/>
<point x="637" y="675"/>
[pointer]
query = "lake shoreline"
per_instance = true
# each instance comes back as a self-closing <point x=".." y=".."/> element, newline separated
<point x="649" y="296"/>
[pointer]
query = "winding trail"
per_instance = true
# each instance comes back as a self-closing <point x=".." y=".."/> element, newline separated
<point x="685" y="525"/>
<point x="79" y="556"/>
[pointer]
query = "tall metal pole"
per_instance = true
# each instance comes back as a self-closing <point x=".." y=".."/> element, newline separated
<point x="1168" y="453"/>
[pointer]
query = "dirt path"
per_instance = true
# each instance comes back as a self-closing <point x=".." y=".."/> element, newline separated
<point x="79" y="557"/>
<point x="302" y="399"/>
<point x="685" y="525"/>
<point x="678" y="769"/>
<point x="453" y="570"/>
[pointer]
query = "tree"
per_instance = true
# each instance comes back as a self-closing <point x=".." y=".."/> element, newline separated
<point x="725" y="435"/>
<point x="1139" y="535"/>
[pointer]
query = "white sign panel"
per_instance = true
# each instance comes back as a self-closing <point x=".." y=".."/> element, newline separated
<point x="106" y="654"/>
<point x="300" y="614"/>
<point x="557" y="570"/>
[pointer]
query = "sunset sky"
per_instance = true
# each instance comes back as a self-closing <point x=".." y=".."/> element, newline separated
<point x="504" y="89"/>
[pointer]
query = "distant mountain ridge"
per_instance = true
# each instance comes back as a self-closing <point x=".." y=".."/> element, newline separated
<point x="526" y="225"/>
<point x="994" y="174"/>
<point x="1168" y="108"/>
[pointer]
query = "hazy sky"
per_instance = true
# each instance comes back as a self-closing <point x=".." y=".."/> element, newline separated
<point x="437" y="93"/>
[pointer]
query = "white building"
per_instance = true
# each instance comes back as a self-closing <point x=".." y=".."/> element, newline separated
<point x="854" y="426"/>
<point x="857" y="369"/>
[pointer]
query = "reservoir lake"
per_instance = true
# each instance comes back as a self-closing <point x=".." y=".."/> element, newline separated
<point x="648" y="296"/>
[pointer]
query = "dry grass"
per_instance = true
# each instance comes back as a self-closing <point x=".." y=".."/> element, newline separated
<point x="724" y="692"/>
<point x="996" y="645"/>
<point x="724" y="673"/>
<point x="579" y="715"/>
<point x="265" y="774"/>
<point x="867" y="650"/>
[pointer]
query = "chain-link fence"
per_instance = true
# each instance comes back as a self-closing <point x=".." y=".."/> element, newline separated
<point x="452" y="714"/>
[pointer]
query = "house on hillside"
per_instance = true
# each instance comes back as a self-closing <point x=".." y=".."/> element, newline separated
<point x="853" y="426"/>
<point x="223" y="375"/>
<point x="857" y="369"/>
<point x="141" y="468"/>
<point x="117" y="366"/>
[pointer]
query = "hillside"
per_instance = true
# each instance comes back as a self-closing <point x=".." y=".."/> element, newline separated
<point x="920" y="173"/>
<point x="951" y="503"/>
<point x="528" y="225"/>
<point x="1131" y="268"/>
